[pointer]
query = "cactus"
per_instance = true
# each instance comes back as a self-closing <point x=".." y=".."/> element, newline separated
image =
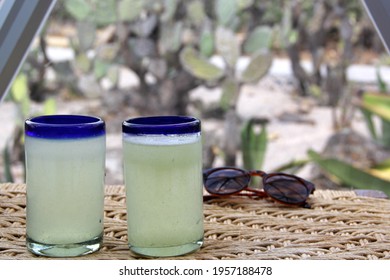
<point x="244" y="4"/>
<point x="86" y="34"/>
<point x="196" y="12"/>
<point x="257" y="68"/>
<point x="83" y="63"/>
<point x="170" y="38"/>
<point x="258" y="65"/>
<point x="229" y="93"/>
<point x="206" y="43"/>
<point x="129" y="10"/>
<point x="79" y="9"/>
<point x="259" y="40"/>
<point x="227" y="45"/>
<point x="173" y="40"/>
<point x="182" y="33"/>
<point x="199" y="67"/>
<point x="105" y="11"/>
<point x="225" y="10"/>
<point x="169" y="10"/>
<point x="99" y="12"/>
<point x="253" y="145"/>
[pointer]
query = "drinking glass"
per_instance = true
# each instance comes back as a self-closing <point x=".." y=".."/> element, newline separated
<point x="163" y="178"/>
<point x="65" y="162"/>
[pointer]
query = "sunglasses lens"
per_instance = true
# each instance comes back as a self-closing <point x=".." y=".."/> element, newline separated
<point x="287" y="189"/>
<point x="226" y="181"/>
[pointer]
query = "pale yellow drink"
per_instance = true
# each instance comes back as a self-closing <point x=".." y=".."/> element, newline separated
<point x="65" y="194"/>
<point x="163" y="176"/>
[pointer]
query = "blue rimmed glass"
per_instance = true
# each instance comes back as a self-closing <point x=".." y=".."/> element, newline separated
<point x="163" y="178"/>
<point x="65" y="165"/>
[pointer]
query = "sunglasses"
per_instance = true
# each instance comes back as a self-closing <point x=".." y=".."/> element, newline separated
<point x="284" y="188"/>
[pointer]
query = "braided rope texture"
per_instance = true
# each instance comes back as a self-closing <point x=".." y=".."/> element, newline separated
<point x="340" y="225"/>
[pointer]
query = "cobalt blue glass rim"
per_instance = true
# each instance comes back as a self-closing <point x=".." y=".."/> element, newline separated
<point x="161" y="125"/>
<point x="64" y="127"/>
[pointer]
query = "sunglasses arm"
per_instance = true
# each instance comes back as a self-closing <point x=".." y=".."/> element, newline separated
<point x="255" y="193"/>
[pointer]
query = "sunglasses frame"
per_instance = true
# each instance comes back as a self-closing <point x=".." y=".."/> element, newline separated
<point x="310" y="187"/>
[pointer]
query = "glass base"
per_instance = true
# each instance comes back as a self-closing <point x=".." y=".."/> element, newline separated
<point x="167" y="251"/>
<point x="64" y="250"/>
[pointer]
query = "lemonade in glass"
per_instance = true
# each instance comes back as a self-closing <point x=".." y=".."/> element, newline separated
<point x="65" y="161"/>
<point x="163" y="178"/>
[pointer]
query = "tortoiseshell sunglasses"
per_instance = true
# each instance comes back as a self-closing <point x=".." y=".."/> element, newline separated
<point x="282" y="187"/>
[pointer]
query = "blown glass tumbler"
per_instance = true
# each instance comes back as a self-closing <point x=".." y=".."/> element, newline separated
<point x="163" y="178"/>
<point x="65" y="162"/>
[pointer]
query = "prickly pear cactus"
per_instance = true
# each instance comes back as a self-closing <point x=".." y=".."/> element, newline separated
<point x="257" y="68"/>
<point x="198" y="67"/>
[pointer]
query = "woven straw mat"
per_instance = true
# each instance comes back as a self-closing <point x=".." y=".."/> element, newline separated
<point x="340" y="225"/>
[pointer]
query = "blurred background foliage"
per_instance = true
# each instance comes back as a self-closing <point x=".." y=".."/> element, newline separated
<point x="174" y="46"/>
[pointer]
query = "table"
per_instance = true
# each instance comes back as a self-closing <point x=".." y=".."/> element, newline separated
<point x="340" y="225"/>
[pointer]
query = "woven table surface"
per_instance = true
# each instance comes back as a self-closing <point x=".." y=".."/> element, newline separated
<point x="340" y="225"/>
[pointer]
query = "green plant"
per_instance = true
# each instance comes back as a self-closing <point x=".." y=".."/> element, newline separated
<point x="254" y="144"/>
<point x="7" y="165"/>
<point x="377" y="177"/>
<point x="331" y="33"/>
<point x="319" y="26"/>
<point x="374" y="107"/>
<point x="292" y="166"/>
<point x="377" y="105"/>
<point x="14" y="149"/>
<point x="381" y="83"/>
<point x="30" y="85"/>
<point x="173" y="42"/>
